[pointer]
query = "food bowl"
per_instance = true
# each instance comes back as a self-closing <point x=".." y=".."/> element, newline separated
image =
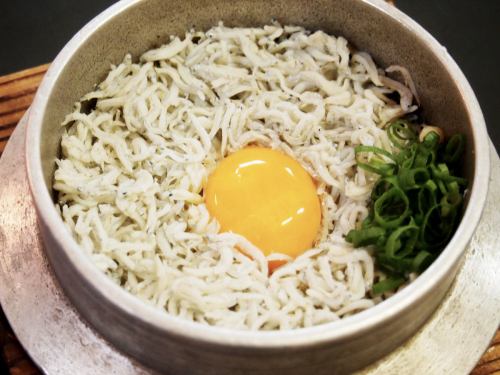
<point x="175" y="346"/>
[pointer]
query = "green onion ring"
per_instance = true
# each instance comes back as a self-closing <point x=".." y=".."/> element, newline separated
<point x="387" y="219"/>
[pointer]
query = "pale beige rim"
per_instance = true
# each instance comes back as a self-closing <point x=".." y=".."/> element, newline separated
<point x="326" y="333"/>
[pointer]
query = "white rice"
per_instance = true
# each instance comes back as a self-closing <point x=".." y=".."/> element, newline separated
<point x="132" y="171"/>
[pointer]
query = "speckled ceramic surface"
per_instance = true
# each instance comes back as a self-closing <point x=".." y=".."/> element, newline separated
<point x="180" y="347"/>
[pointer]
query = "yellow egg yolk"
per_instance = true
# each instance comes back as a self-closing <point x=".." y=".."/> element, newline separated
<point x="267" y="197"/>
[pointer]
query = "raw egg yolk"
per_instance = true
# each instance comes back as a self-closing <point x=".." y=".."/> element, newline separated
<point x="267" y="197"/>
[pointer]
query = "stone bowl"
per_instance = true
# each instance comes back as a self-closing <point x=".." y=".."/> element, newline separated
<point x="171" y="345"/>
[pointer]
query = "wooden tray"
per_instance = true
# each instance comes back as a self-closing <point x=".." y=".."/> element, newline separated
<point x="17" y="91"/>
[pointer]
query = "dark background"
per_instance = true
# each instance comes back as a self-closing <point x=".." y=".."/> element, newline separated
<point x="33" y="31"/>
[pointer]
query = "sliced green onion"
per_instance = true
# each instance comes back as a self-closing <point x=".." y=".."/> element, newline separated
<point x="364" y="237"/>
<point x="427" y="197"/>
<point x="450" y="203"/>
<point x="422" y="260"/>
<point x="406" y="157"/>
<point x="424" y="157"/>
<point x="391" y="208"/>
<point x="402" y="241"/>
<point x="431" y="140"/>
<point x="436" y="228"/>
<point x="377" y="164"/>
<point x="454" y="148"/>
<point x="413" y="178"/>
<point x="383" y="185"/>
<point x="415" y="204"/>
<point x="387" y="285"/>
<point x="394" y="265"/>
<point x="400" y="133"/>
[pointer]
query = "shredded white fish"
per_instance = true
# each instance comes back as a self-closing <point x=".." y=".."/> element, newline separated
<point x="137" y="151"/>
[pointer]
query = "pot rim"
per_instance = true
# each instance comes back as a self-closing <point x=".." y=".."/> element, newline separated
<point x="336" y="331"/>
